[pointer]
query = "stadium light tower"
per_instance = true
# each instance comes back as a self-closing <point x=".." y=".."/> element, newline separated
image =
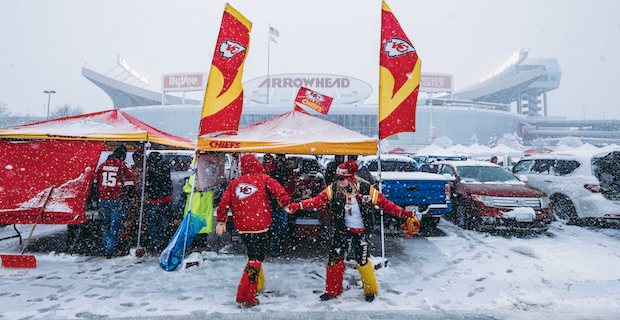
<point x="49" y="95"/>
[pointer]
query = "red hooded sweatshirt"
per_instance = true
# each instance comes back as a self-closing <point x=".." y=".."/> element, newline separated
<point x="248" y="198"/>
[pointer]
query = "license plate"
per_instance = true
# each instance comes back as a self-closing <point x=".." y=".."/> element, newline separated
<point x="524" y="217"/>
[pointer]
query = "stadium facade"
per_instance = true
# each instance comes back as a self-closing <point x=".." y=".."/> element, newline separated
<point x="482" y="110"/>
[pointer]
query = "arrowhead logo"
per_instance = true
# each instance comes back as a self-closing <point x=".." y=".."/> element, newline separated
<point x="398" y="47"/>
<point x="244" y="190"/>
<point x="230" y="48"/>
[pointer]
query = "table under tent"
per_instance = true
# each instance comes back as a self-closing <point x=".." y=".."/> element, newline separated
<point x="64" y="153"/>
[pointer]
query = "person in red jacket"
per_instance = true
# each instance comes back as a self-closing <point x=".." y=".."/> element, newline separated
<point x="116" y="187"/>
<point x="352" y="202"/>
<point x="248" y="199"/>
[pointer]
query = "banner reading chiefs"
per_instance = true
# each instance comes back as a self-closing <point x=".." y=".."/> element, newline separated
<point x="399" y="81"/>
<point x="313" y="99"/>
<point x="224" y="95"/>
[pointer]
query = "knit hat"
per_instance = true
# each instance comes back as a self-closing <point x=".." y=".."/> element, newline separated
<point x="347" y="170"/>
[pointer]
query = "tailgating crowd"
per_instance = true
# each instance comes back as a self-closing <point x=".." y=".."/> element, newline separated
<point x="259" y="200"/>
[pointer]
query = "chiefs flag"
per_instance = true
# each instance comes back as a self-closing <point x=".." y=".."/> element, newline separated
<point x="399" y="78"/>
<point x="224" y="95"/>
<point x="313" y="99"/>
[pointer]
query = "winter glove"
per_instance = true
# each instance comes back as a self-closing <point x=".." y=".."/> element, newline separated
<point x="293" y="207"/>
<point x="412" y="225"/>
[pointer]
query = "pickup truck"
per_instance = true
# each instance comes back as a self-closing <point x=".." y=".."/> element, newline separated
<point x="402" y="184"/>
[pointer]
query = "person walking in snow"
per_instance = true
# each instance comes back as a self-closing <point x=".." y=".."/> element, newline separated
<point x="116" y="186"/>
<point x="352" y="201"/>
<point x="248" y="199"/>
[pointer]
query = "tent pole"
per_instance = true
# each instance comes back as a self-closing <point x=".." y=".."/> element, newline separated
<point x="145" y="146"/>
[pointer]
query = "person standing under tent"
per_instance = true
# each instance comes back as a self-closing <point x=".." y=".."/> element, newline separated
<point x="279" y="217"/>
<point x="247" y="197"/>
<point x="330" y="170"/>
<point x="352" y="200"/>
<point x="116" y="188"/>
<point x="158" y="192"/>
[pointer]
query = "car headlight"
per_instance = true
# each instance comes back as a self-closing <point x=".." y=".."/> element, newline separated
<point x="545" y="202"/>
<point x="486" y="200"/>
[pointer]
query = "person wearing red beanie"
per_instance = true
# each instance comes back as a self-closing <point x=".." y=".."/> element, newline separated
<point x="352" y="201"/>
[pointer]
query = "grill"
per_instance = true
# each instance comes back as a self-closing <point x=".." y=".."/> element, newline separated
<point x="507" y="202"/>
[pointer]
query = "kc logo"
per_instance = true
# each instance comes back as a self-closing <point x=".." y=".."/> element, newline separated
<point x="314" y="96"/>
<point x="230" y="48"/>
<point x="398" y="47"/>
<point x="244" y="190"/>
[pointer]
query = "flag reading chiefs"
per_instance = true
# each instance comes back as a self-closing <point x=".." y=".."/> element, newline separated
<point x="399" y="81"/>
<point x="223" y="102"/>
<point x="314" y="100"/>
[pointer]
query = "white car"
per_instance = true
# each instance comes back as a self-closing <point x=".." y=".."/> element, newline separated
<point x="582" y="183"/>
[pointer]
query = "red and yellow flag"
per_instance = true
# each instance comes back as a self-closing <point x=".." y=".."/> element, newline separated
<point x="223" y="103"/>
<point x="312" y="99"/>
<point x="399" y="75"/>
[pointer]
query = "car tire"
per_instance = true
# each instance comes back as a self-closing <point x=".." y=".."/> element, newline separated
<point x="428" y="225"/>
<point x="461" y="214"/>
<point x="564" y="209"/>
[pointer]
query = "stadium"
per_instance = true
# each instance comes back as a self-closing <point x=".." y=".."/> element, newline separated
<point x="511" y="100"/>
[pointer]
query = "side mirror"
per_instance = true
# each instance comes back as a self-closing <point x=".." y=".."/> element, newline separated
<point x="449" y="177"/>
<point x="523" y="178"/>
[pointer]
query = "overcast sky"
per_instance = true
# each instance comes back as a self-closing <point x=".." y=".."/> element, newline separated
<point x="44" y="44"/>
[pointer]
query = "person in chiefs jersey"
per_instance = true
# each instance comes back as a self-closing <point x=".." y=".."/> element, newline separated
<point x="115" y="184"/>
<point x="248" y="199"/>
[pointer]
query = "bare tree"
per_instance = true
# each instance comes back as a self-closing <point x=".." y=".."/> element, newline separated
<point x="66" y="110"/>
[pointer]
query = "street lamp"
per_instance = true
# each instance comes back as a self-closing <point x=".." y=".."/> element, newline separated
<point x="49" y="95"/>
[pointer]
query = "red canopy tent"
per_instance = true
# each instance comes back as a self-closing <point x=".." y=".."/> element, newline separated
<point x="64" y="153"/>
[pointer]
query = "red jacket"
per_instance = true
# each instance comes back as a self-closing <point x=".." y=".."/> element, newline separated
<point x="248" y="198"/>
<point x="113" y="176"/>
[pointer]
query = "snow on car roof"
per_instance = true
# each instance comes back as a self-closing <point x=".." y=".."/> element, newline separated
<point x="465" y="163"/>
<point x="581" y="154"/>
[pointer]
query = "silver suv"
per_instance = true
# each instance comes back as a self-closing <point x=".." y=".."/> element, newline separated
<point x="582" y="183"/>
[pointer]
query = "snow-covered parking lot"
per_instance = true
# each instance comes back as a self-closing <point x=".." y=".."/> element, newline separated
<point x="570" y="272"/>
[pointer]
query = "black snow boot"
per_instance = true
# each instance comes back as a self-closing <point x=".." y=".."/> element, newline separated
<point x="325" y="297"/>
<point x="370" y="297"/>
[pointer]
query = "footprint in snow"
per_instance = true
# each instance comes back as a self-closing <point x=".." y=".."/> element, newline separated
<point x="473" y="292"/>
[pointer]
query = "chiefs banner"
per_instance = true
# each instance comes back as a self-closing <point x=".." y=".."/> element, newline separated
<point x="28" y="169"/>
<point x="313" y="99"/>
<point x="224" y="95"/>
<point x="399" y="78"/>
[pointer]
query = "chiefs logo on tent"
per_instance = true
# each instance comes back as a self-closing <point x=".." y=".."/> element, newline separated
<point x="228" y="48"/>
<point x="398" y="47"/>
<point x="244" y="190"/>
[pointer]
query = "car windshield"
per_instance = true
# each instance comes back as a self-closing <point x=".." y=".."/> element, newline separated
<point x="304" y="165"/>
<point x="484" y="174"/>
<point x="393" y="166"/>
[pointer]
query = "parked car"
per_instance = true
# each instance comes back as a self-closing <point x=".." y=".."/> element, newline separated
<point x="580" y="184"/>
<point x="485" y="196"/>
<point x="403" y="185"/>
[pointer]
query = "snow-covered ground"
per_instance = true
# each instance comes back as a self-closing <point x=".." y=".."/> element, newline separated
<point x="570" y="272"/>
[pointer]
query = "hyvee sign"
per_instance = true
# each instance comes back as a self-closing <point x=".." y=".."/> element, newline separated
<point x="183" y="82"/>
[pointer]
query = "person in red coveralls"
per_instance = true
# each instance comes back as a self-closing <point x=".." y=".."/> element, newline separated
<point x="248" y="199"/>
<point x="115" y="182"/>
<point x="352" y="202"/>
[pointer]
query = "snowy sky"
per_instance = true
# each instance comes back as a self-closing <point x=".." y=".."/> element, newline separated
<point x="46" y="43"/>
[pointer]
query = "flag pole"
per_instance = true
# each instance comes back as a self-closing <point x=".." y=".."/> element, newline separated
<point x="268" y="59"/>
<point x="379" y="146"/>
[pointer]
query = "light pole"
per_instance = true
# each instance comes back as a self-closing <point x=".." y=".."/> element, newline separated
<point x="49" y="95"/>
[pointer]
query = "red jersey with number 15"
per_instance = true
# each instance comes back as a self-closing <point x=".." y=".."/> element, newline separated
<point x="113" y="176"/>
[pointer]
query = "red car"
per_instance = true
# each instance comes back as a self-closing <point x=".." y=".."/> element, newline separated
<point x="485" y="196"/>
